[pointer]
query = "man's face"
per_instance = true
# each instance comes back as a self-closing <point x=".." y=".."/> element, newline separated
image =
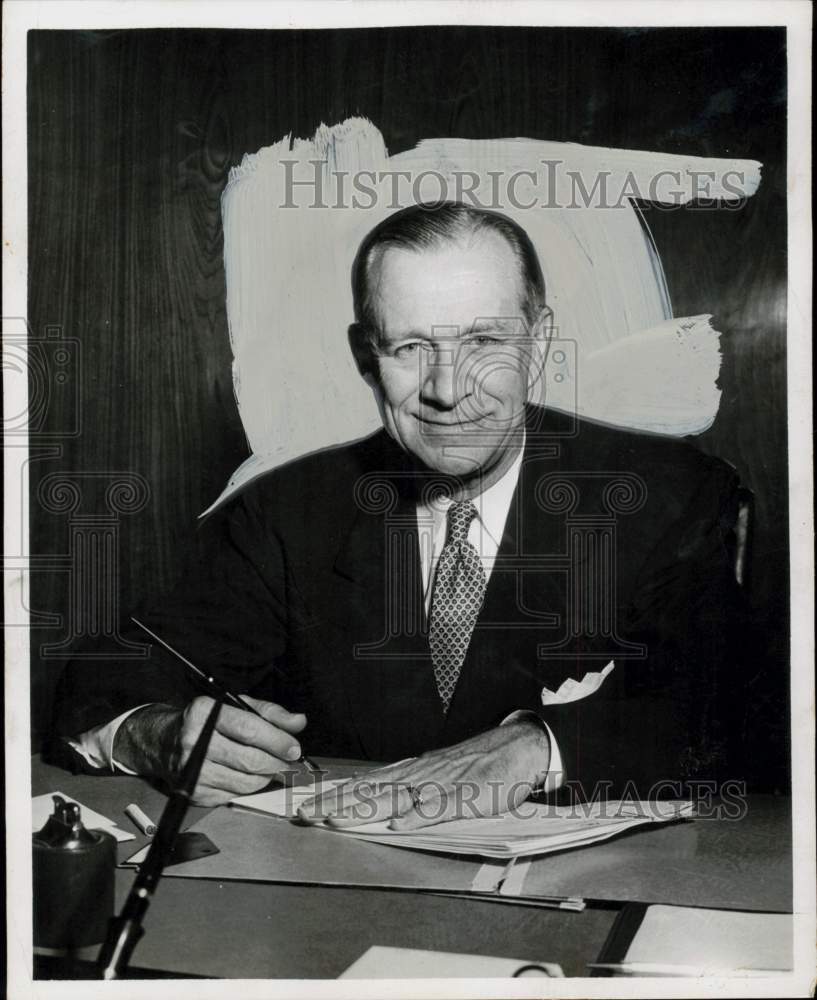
<point x="454" y="358"/>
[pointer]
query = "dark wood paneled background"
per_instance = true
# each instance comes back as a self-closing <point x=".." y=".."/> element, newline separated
<point x="131" y="137"/>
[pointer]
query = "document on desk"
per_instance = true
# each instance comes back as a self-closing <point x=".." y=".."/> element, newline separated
<point x="533" y="829"/>
<point x="489" y="857"/>
<point x="541" y="830"/>
<point x="710" y="862"/>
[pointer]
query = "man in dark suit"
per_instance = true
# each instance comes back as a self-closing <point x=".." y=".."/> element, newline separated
<point x="504" y="595"/>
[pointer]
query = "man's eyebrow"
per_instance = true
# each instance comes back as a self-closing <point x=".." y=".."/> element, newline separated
<point x="396" y="335"/>
<point x="486" y="324"/>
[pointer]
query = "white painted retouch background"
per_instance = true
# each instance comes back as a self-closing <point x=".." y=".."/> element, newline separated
<point x="618" y="355"/>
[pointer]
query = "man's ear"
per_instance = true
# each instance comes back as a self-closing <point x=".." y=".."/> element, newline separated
<point x="361" y="345"/>
<point x="541" y="335"/>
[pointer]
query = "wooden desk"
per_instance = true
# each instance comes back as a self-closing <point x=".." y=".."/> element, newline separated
<point x="255" y="930"/>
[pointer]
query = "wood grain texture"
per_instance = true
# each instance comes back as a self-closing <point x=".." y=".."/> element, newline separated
<point x="132" y="134"/>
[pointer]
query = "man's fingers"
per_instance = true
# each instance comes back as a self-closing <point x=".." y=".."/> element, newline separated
<point x="290" y="722"/>
<point x="392" y="801"/>
<point x="218" y="784"/>
<point x="240" y="757"/>
<point x="355" y="799"/>
<point x="437" y="807"/>
<point x="376" y="795"/>
<point x="439" y="803"/>
<point x="246" y="728"/>
<point x="316" y="809"/>
<point x="425" y="803"/>
<point x="358" y="793"/>
<point x="364" y="788"/>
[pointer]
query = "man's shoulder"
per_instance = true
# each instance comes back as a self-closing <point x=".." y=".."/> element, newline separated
<point x="672" y="469"/>
<point x="319" y="479"/>
<point x="583" y="440"/>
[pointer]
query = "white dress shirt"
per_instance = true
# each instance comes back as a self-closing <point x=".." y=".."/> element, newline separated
<point x="484" y="533"/>
<point x="96" y="745"/>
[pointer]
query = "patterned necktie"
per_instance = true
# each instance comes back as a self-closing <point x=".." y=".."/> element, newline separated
<point x="459" y="589"/>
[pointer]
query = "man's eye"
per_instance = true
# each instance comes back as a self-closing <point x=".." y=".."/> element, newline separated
<point x="406" y="351"/>
<point x="482" y="340"/>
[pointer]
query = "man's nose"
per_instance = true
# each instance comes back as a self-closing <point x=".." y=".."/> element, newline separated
<point x="439" y="377"/>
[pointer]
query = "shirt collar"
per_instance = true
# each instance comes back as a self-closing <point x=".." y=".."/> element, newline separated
<point x="492" y="505"/>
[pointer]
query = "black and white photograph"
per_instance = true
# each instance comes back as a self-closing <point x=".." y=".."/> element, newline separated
<point x="408" y="564"/>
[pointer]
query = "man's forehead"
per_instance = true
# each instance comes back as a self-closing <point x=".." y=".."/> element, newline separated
<point x="484" y="249"/>
<point x="453" y="282"/>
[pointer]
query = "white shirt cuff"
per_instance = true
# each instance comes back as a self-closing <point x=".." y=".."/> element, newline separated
<point x="555" y="774"/>
<point x="96" y="745"/>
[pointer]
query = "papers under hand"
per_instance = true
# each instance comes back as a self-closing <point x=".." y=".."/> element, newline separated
<point x="283" y="802"/>
<point x="531" y="830"/>
<point x="537" y="829"/>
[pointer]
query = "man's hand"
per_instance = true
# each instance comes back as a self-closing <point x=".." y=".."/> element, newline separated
<point x="487" y="774"/>
<point x="245" y="752"/>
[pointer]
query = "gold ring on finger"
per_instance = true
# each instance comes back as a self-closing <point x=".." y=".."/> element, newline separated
<point x="416" y="797"/>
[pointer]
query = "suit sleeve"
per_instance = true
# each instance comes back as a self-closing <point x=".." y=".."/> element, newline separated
<point x="673" y="714"/>
<point x="228" y="615"/>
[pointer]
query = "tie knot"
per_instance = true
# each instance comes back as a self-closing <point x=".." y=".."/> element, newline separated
<point x="460" y="515"/>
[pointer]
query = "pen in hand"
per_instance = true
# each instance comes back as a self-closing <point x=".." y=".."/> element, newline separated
<point x="217" y="689"/>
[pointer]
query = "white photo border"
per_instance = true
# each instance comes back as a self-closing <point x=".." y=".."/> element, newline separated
<point x="19" y="16"/>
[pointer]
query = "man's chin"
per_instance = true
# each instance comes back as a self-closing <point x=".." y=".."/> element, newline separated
<point x="454" y="461"/>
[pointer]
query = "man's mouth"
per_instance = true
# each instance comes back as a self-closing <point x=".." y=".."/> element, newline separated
<point x="448" y="424"/>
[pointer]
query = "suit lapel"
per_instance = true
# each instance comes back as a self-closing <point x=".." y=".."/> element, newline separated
<point x="388" y="675"/>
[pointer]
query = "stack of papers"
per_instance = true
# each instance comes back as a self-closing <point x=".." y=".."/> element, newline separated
<point x="540" y="830"/>
<point x="42" y="806"/>
<point x="532" y="830"/>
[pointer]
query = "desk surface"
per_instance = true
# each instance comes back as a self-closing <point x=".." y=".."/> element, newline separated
<point x="255" y="930"/>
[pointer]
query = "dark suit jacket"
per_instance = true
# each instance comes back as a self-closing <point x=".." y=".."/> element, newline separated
<point x="616" y="547"/>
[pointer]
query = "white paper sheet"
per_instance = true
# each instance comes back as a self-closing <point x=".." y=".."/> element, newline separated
<point x="415" y="963"/>
<point x="716" y="939"/>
